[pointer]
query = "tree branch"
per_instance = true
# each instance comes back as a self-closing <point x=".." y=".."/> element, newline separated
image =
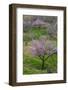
<point x="50" y="55"/>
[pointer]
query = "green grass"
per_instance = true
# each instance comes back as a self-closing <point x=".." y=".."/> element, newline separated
<point x="34" y="33"/>
<point x="32" y="65"/>
<point x="38" y="32"/>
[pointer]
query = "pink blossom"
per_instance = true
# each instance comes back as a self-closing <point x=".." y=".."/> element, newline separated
<point x="38" y="48"/>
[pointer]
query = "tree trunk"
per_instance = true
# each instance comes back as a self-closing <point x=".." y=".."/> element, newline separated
<point x="42" y="64"/>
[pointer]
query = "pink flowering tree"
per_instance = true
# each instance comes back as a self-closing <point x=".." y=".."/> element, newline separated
<point x="38" y="49"/>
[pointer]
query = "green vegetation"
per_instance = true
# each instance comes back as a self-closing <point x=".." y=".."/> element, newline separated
<point x="38" y="32"/>
<point x="32" y="64"/>
<point x="34" y="33"/>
